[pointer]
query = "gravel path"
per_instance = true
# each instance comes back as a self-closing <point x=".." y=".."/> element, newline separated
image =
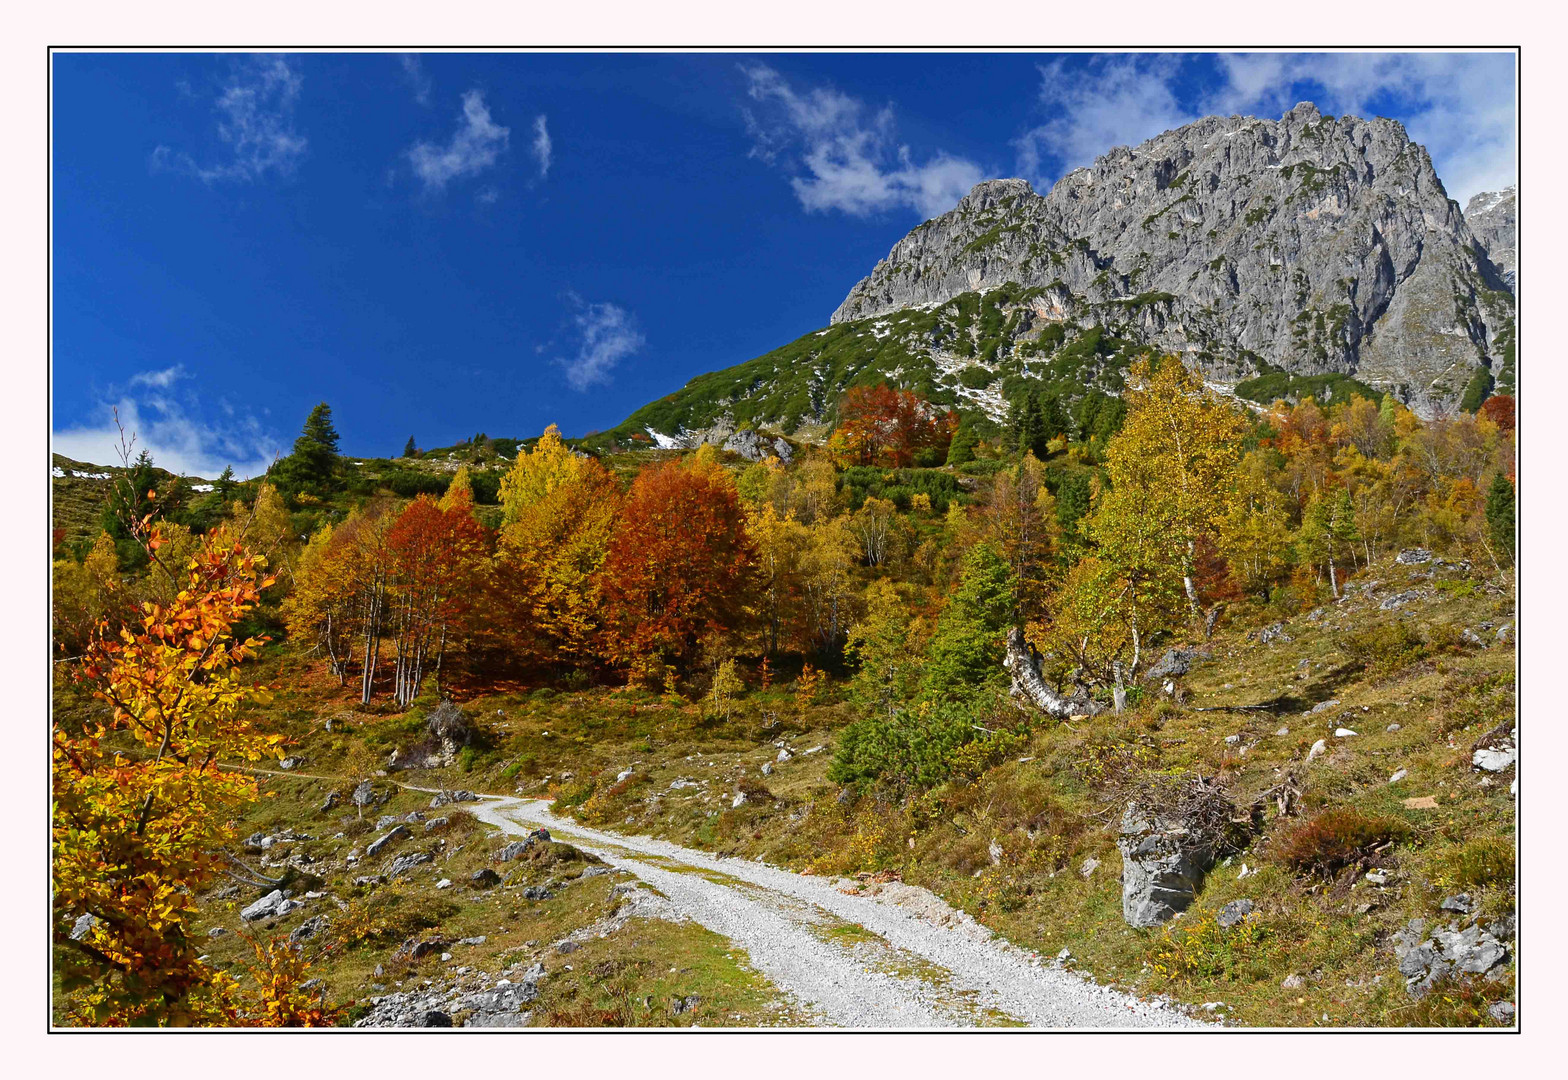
<point x="892" y="956"/>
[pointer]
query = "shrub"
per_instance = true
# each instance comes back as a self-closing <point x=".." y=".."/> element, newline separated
<point x="1204" y="951"/>
<point x="1486" y="861"/>
<point x="1386" y="648"/>
<point x="409" y="484"/>
<point x="976" y="378"/>
<point x="1335" y="839"/>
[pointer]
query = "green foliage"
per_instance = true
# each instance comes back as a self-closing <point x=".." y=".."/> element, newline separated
<point x="976" y="378"/>
<point x="898" y="486"/>
<point x="1072" y="499"/>
<point x="409" y="484"/>
<point x="314" y="466"/>
<point x="1477" y="390"/>
<point x="910" y="750"/>
<point x="1203" y="951"/>
<point x="409" y="449"/>
<point x="964" y="661"/>
<point x="1500" y="515"/>
<point x="1283" y="386"/>
<point x="962" y="448"/>
<point x="1485" y="862"/>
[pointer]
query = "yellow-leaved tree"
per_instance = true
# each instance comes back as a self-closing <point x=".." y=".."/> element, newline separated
<point x="142" y="809"/>
<point x="559" y="510"/>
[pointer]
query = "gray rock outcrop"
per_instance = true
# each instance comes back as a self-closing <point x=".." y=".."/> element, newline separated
<point x="1163" y="865"/>
<point x="1493" y="216"/>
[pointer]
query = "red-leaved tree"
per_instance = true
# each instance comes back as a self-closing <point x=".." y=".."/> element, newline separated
<point x="878" y="425"/>
<point x="680" y="566"/>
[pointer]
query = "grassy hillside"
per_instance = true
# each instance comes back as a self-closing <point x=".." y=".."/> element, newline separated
<point x="1026" y="844"/>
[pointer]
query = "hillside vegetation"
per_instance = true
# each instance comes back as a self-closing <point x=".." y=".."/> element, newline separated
<point x="969" y="659"/>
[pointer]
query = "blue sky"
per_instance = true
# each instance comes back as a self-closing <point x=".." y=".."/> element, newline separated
<point x="453" y="243"/>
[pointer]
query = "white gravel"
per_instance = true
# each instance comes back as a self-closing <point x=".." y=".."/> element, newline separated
<point x="923" y="964"/>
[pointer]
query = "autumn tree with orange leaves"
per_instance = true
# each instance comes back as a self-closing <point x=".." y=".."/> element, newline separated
<point x="878" y="425"/>
<point x="680" y="566"/>
<point x="142" y="809"/>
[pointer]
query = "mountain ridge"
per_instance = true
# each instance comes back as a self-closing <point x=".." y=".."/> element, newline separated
<point x="1312" y="251"/>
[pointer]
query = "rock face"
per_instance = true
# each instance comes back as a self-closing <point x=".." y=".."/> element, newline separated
<point x="1313" y="244"/>
<point x="1471" y="951"/>
<point x="1493" y="216"/>
<point x="1163" y="865"/>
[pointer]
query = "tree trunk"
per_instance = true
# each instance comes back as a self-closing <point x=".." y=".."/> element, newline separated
<point x="1027" y="683"/>
<point x="1333" y="576"/>
<point x="1119" y="690"/>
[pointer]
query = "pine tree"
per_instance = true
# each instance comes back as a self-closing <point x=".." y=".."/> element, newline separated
<point x="409" y="449"/>
<point x="965" y="657"/>
<point x="226" y="481"/>
<point x="1500" y="515"/>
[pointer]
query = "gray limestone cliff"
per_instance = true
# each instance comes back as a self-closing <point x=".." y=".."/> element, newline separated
<point x="1309" y="244"/>
<point x="1493" y="216"/>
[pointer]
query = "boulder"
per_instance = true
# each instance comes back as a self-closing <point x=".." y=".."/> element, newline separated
<point x="1234" y="912"/>
<point x="1270" y="634"/>
<point x="1461" y="904"/>
<point x="1163" y="865"/>
<point x="1494" y="759"/>
<point x="379" y="844"/>
<point x="263" y="908"/>
<point x="1423" y="960"/>
<point x="308" y="929"/>
<point x="1399" y="600"/>
<point x="1413" y="557"/>
<point x="484" y="879"/>
<point x="419" y="946"/>
<point x="1501" y="1011"/>
<point x="1175" y="663"/>
<point x="446" y="798"/>
<point x="404" y="863"/>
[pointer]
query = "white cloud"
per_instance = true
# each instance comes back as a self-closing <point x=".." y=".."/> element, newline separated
<point x="1460" y="106"/>
<point x="543" y="147"/>
<point x="177" y="440"/>
<point x="475" y="146"/>
<point x="418" y="81"/>
<point x="160" y="379"/>
<point x="844" y="156"/>
<point x="255" y="120"/>
<point x="606" y="334"/>
<point x="1118" y="101"/>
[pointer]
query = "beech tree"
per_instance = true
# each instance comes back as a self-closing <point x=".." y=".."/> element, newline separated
<point x="134" y="836"/>
<point x="680" y="565"/>
<point x="559" y="510"/>
<point x="883" y="426"/>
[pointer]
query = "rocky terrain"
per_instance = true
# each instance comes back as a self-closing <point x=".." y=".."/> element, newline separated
<point x="1493" y="216"/>
<point x="1310" y="243"/>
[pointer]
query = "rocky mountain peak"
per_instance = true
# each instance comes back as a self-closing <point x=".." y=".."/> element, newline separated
<point x="1311" y="244"/>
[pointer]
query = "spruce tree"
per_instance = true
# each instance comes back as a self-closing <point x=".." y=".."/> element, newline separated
<point x="314" y="464"/>
<point x="1500" y="515"/>
<point x="409" y="449"/>
<point x="226" y="481"/>
<point x="962" y="448"/>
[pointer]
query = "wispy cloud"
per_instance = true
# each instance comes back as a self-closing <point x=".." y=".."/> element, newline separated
<point x="174" y="432"/>
<point x="1117" y="102"/>
<point x="1459" y="105"/>
<point x="255" y="110"/>
<point x="159" y="379"/>
<point x="543" y="147"/>
<point x="845" y="156"/>
<point x="418" y="81"/>
<point x="476" y="145"/>
<point x="605" y="334"/>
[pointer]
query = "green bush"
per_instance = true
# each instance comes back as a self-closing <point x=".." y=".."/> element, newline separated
<point x="976" y="378"/>
<point x="1488" y="861"/>
<point x="409" y="484"/>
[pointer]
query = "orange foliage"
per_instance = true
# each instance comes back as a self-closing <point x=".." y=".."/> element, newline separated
<point x="680" y="566"/>
<point x="883" y="426"/>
